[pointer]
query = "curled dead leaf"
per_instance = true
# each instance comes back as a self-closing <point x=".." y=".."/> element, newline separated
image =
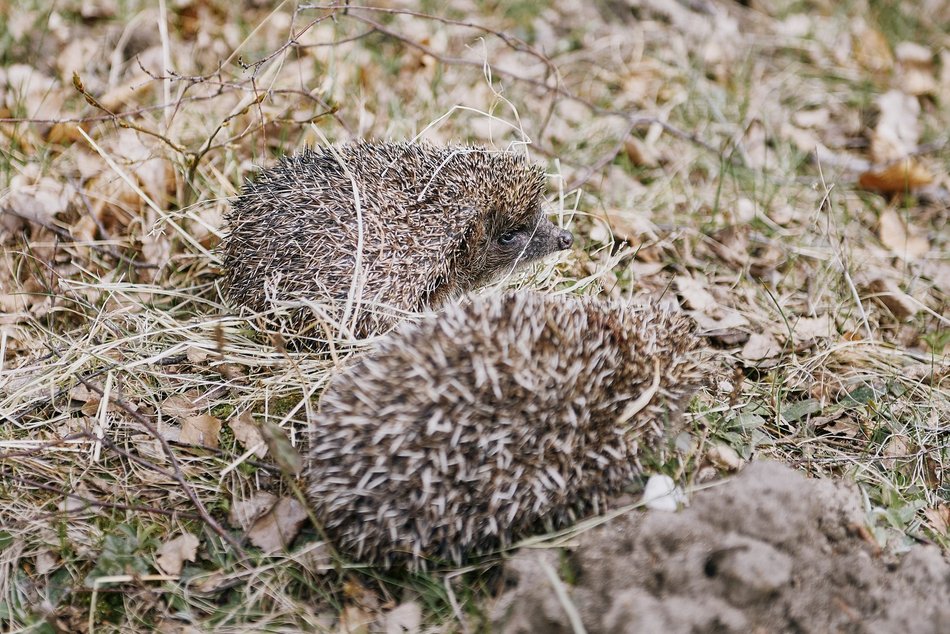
<point x="902" y="176"/>
<point x="809" y="328"/>
<point x="871" y="49"/>
<point x="640" y="153"/>
<point x="281" y="450"/>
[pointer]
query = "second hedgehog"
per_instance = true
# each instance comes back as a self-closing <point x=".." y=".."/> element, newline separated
<point x="371" y="231"/>
<point x="510" y="414"/>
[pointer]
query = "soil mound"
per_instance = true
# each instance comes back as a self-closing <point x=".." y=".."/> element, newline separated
<point x="770" y="551"/>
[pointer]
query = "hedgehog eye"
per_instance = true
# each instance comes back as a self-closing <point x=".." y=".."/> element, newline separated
<point x="507" y="238"/>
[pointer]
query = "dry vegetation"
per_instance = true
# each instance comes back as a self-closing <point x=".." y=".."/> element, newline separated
<point x="779" y="170"/>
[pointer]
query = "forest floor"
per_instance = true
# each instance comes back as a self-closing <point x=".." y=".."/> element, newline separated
<point x="776" y="169"/>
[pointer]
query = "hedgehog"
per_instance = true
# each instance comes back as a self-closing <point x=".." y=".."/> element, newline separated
<point x="520" y="412"/>
<point x="375" y="231"/>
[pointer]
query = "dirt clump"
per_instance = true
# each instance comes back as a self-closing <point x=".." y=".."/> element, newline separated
<point x="770" y="551"/>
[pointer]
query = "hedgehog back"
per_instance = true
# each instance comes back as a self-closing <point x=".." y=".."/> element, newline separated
<point x="464" y="432"/>
<point x="295" y="232"/>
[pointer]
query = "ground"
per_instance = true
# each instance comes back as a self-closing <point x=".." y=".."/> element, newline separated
<point x="777" y="170"/>
<point x="769" y="551"/>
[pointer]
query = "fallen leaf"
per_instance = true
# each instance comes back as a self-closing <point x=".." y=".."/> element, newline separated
<point x="897" y="131"/>
<point x="902" y="176"/>
<point x="180" y="405"/>
<point x="901" y="305"/>
<point x="173" y="554"/>
<point x="81" y="393"/>
<point x="247" y="432"/>
<point x="200" y="430"/>
<point x="641" y="154"/>
<point x="895" y="449"/>
<point x="695" y="295"/>
<point x="734" y="246"/>
<point x="210" y="582"/>
<point x="195" y="354"/>
<point x="405" y="618"/>
<point x="243" y="513"/>
<point x="724" y="457"/>
<point x="760" y="346"/>
<point x="808" y="328"/>
<point x="904" y="241"/>
<point x="915" y="69"/>
<point x="871" y="49"/>
<point x="816" y="118"/>
<point x="728" y="330"/>
<point x="755" y="143"/>
<point x="46" y="561"/>
<point x="34" y="198"/>
<point x="844" y="426"/>
<point x="355" y="620"/>
<point x="281" y="450"/>
<point x="277" y="528"/>
<point x="626" y="224"/>
<point x="939" y="518"/>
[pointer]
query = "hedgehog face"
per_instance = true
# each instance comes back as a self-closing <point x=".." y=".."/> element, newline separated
<point x="512" y="247"/>
<point x="507" y="193"/>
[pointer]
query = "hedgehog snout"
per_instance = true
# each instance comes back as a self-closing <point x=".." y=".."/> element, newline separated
<point x="565" y="239"/>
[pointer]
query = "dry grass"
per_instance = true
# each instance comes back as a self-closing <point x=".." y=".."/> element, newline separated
<point x="681" y="148"/>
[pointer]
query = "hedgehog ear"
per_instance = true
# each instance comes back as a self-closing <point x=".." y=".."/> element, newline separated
<point x="464" y="222"/>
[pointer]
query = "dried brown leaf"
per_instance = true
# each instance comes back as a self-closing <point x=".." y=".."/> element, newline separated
<point x="202" y="430"/>
<point x="247" y="432"/>
<point x="629" y="225"/>
<point x="896" y="178"/>
<point x="243" y="513"/>
<point x="277" y="528"/>
<point x="174" y="553"/>
<point x="904" y="241"/>
<point x="46" y="561"/>
<point x="808" y="328"/>
<point x="871" y="49"/>
<point x="355" y="620"/>
<point x="281" y="450"/>
<point x="886" y="291"/>
<point x="37" y="199"/>
<point x="180" y="405"/>
<point x="640" y="153"/>
<point x="939" y="518"/>
<point x="760" y="346"/>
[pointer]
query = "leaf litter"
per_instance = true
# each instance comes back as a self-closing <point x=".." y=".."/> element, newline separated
<point x="779" y="174"/>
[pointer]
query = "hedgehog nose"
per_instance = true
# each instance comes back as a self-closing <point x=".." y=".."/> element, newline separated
<point x="565" y="240"/>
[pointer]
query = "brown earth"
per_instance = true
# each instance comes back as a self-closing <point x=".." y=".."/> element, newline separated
<point x="770" y="551"/>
